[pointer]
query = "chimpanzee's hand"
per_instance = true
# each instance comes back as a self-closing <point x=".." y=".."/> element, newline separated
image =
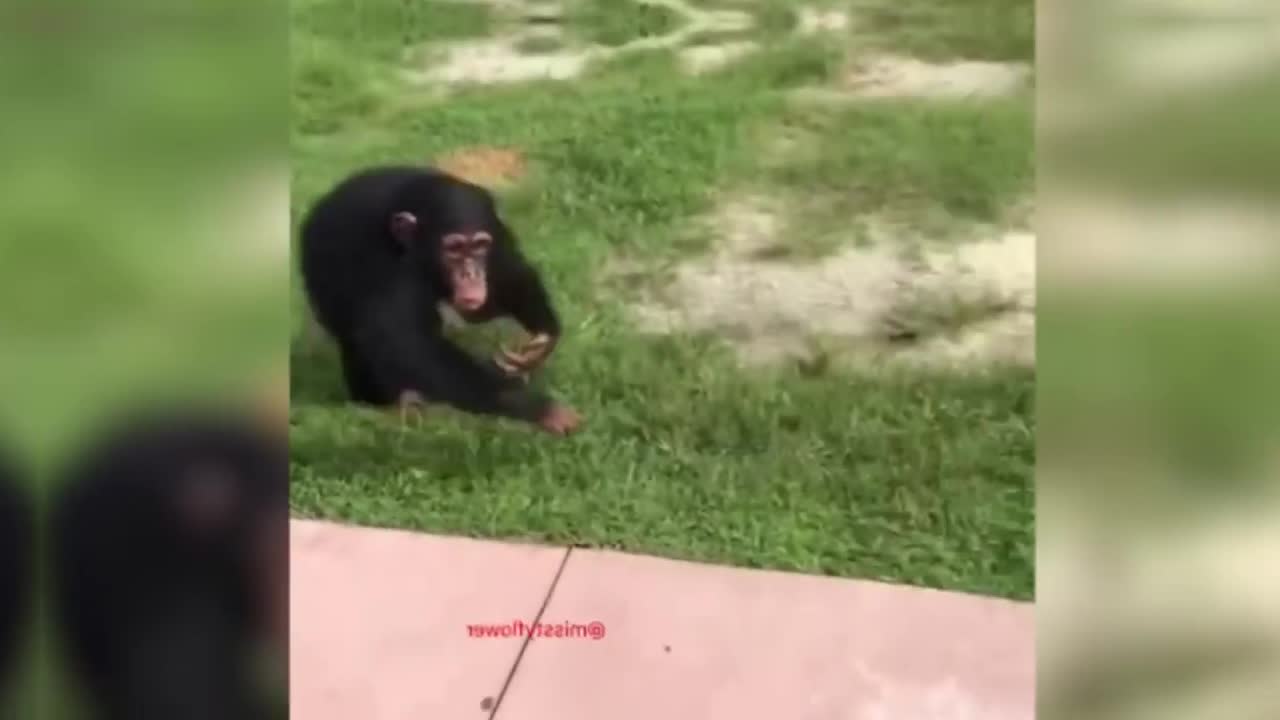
<point x="527" y="358"/>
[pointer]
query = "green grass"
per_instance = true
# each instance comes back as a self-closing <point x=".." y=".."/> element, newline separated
<point x="383" y="29"/>
<point x="615" y="22"/>
<point x="538" y="44"/>
<point x="941" y="30"/>
<point x="927" y="163"/>
<point x="772" y="17"/>
<point x="919" y="478"/>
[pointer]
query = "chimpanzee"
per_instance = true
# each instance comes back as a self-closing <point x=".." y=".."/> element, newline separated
<point x="170" y="551"/>
<point x="16" y="547"/>
<point x="380" y="252"/>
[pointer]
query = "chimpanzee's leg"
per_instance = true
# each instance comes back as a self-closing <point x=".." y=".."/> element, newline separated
<point x="359" y="379"/>
<point x="400" y="357"/>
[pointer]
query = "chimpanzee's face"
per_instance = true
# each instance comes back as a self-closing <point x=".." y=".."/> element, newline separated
<point x="460" y="256"/>
<point x="465" y="258"/>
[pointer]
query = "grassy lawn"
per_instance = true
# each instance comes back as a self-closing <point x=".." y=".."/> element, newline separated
<point x="940" y="30"/>
<point x="910" y="476"/>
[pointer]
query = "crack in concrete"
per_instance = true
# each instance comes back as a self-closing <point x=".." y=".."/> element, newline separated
<point x="546" y="601"/>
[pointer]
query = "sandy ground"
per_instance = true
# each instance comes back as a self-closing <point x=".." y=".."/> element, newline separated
<point x="893" y="76"/>
<point x="708" y="58"/>
<point x="500" y="59"/>
<point x="981" y="296"/>
<point x="896" y="76"/>
<point x="491" y="167"/>
<point x="814" y="20"/>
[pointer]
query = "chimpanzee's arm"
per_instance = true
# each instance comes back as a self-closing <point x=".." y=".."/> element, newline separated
<point x="402" y="356"/>
<point x="522" y="295"/>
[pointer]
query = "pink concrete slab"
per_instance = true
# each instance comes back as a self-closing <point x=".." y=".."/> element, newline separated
<point x="378" y="621"/>
<point x="683" y="640"/>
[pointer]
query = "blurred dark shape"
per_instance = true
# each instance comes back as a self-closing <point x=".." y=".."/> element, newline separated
<point x="170" y="543"/>
<point x="16" y="547"/>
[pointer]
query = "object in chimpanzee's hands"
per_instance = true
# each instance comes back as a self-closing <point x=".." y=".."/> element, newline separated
<point x="170" y="555"/>
<point x="380" y="252"/>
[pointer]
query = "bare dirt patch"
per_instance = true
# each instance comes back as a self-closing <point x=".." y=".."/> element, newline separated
<point x="815" y="20"/>
<point x="707" y="58"/>
<point x="971" y="304"/>
<point x="891" y="76"/>
<point x="518" y="55"/>
<point x="484" y="165"/>
<point x="502" y="60"/>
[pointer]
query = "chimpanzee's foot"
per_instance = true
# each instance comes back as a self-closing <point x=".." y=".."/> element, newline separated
<point x="560" y="420"/>
<point x="410" y="404"/>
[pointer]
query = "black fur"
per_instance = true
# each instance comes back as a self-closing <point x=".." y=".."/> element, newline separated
<point x="160" y="613"/>
<point x="16" y="547"/>
<point x="379" y="299"/>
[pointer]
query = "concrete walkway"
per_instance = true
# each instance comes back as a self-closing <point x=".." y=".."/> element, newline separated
<point x="391" y="625"/>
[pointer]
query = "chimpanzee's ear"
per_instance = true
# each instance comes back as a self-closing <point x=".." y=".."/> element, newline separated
<point x="403" y="227"/>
